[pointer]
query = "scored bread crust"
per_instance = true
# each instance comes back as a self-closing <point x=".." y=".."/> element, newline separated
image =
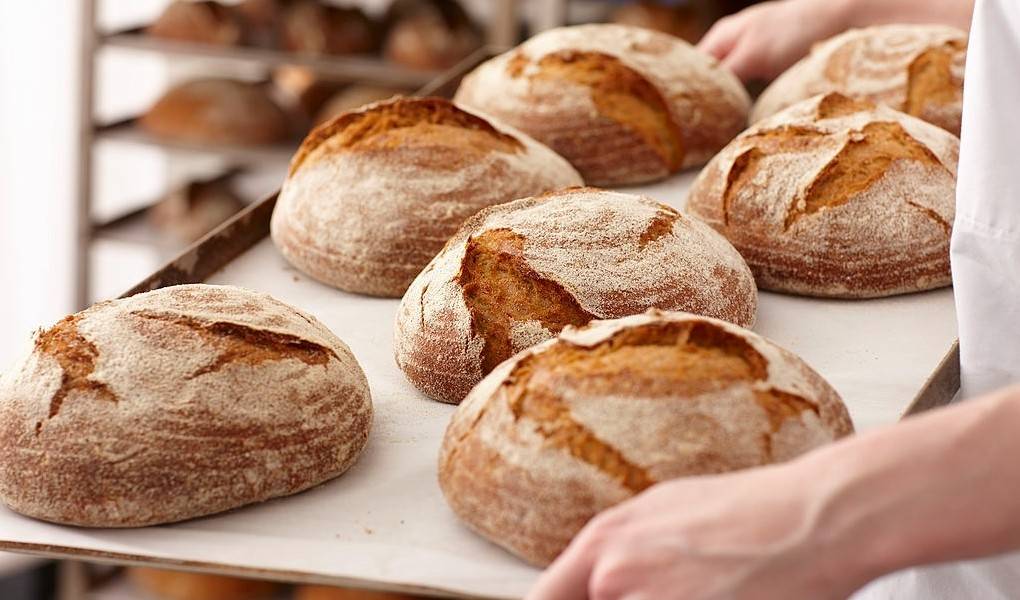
<point x="623" y="104"/>
<point x="836" y="197"/>
<point x="174" y="404"/>
<point x="374" y="194"/>
<point x="581" y="254"/>
<point x="577" y="424"/>
<point x="217" y="111"/>
<point x="917" y="69"/>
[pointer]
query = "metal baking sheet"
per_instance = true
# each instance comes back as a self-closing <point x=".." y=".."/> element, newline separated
<point x="384" y="524"/>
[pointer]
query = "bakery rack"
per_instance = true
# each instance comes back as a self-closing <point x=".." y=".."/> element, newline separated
<point x="502" y="31"/>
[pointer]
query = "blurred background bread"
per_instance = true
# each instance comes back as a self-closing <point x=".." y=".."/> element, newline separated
<point x="688" y="21"/>
<point x="322" y="592"/>
<point x="429" y="34"/>
<point x="836" y="197"/>
<point x="623" y="104"/>
<point x="312" y="27"/>
<point x="196" y="208"/>
<point x="186" y="391"/>
<point x="573" y="426"/>
<point x="218" y="111"/>
<point x="518" y="273"/>
<point x="204" y="22"/>
<point x="373" y="195"/>
<point x="354" y="97"/>
<point x="179" y="585"/>
<point x="917" y="69"/>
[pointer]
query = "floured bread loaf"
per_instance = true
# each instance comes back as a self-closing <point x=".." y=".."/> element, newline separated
<point x="517" y="274"/>
<point x="575" y="425"/>
<point x="374" y="194"/>
<point x="836" y="197"/>
<point x="917" y="69"/>
<point x="174" y="404"/>
<point x="623" y="104"/>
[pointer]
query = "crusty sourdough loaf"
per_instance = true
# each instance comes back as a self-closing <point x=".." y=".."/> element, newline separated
<point x="177" y="403"/>
<point x="312" y="27"/>
<point x="516" y="274"/>
<point x="580" y="423"/>
<point x="917" y="69"/>
<point x="623" y="104"/>
<point x="217" y="111"/>
<point x="836" y="197"/>
<point x="178" y="585"/>
<point x="374" y="194"/>
<point x="322" y="592"/>
<point x="206" y="22"/>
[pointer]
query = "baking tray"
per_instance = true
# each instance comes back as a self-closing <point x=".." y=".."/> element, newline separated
<point x="384" y="524"/>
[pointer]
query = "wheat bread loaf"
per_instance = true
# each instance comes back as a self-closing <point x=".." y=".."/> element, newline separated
<point x="577" y="424"/>
<point x="623" y="104"/>
<point x="518" y="273"/>
<point x="836" y="197"/>
<point x="917" y="69"/>
<point x="217" y="111"/>
<point x="374" y="194"/>
<point x="177" y="403"/>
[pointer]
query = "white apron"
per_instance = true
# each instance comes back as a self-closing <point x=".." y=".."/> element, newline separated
<point x="986" y="273"/>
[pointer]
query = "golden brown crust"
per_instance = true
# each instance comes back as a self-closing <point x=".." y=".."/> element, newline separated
<point x="836" y="197"/>
<point x="580" y="423"/>
<point x="518" y="273"/>
<point x="217" y="111"/>
<point x="374" y="194"/>
<point x="623" y="104"/>
<point x="174" y="404"/>
<point x="178" y="585"/>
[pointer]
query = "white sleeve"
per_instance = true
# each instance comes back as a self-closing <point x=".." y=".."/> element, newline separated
<point x="986" y="233"/>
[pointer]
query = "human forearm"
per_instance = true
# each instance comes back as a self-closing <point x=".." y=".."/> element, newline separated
<point x="862" y="13"/>
<point x="935" y="488"/>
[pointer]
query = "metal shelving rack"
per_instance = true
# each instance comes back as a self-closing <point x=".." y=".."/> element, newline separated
<point x="502" y="31"/>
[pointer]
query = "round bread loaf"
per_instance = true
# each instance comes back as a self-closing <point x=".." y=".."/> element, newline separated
<point x="177" y="403"/>
<point x="322" y="592"/>
<point x="518" y="273"/>
<point x="374" y="194"/>
<point x="573" y="426"/>
<point x="623" y="104"/>
<point x="217" y="111"/>
<point x="836" y="197"/>
<point x="917" y="69"/>
<point x="177" y="585"/>
<point x="205" y="22"/>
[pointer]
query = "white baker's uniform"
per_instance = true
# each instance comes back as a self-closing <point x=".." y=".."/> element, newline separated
<point x="986" y="274"/>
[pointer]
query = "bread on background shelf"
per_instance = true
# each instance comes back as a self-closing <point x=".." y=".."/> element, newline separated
<point x="218" y="111"/>
<point x="917" y="69"/>
<point x="354" y="97"/>
<point x="204" y="22"/>
<point x="174" y="404"/>
<point x="187" y="213"/>
<point x="517" y="274"/>
<point x="375" y="193"/>
<point x="313" y="27"/>
<point x="836" y="197"/>
<point x="429" y="34"/>
<point x="162" y="584"/>
<point x="578" y="424"/>
<point x="625" y="105"/>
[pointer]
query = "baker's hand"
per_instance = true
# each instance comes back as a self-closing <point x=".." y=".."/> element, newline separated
<point x="764" y="40"/>
<point x="749" y="535"/>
